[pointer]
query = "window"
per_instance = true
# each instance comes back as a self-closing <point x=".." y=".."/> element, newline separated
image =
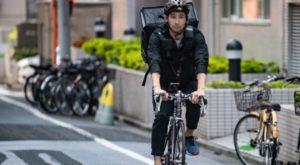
<point x="246" y="10"/>
<point x="31" y="9"/>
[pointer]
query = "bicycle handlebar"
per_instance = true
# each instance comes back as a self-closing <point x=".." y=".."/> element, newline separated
<point x="293" y="79"/>
<point x="266" y="81"/>
<point x="182" y="97"/>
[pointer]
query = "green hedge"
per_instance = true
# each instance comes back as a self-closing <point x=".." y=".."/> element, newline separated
<point x="120" y="52"/>
<point x="21" y="53"/>
<point x="217" y="64"/>
<point x="128" y="54"/>
<point x="224" y="84"/>
<point x="233" y="84"/>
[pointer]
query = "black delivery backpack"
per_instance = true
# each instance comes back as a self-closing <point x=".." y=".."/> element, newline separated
<point x="153" y="17"/>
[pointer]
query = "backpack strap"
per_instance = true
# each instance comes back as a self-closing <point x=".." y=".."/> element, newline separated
<point x="146" y="75"/>
<point x="148" y="70"/>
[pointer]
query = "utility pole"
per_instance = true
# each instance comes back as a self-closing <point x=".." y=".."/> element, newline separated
<point x="64" y="29"/>
<point x="54" y="29"/>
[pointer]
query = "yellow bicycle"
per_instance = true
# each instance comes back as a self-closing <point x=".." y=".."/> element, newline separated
<point x="257" y="132"/>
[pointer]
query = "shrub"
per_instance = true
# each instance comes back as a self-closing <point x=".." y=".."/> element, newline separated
<point x="272" y="67"/>
<point x="21" y="53"/>
<point x="224" y="84"/>
<point x="252" y="66"/>
<point x="282" y="84"/>
<point x="233" y="84"/>
<point x="218" y="64"/>
<point x="119" y="52"/>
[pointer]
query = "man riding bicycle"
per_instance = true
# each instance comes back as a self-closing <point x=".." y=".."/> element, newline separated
<point x="178" y="54"/>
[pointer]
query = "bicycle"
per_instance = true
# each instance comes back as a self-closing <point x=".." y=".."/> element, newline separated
<point x="175" y="150"/>
<point x="257" y="132"/>
<point x="33" y="82"/>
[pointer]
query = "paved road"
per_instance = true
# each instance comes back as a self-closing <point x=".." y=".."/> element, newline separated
<point x="31" y="137"/>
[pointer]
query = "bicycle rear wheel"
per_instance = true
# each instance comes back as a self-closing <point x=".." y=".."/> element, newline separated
<point x="244" y="138"/>
<point x="274" y="150"/>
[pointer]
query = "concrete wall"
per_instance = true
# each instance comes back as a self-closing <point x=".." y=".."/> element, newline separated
<point x="288" y="132"/>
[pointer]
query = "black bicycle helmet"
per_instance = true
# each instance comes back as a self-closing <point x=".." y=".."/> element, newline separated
<point x="176" y="5"/>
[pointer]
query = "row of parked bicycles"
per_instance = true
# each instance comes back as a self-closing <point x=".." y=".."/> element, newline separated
<point x="257" y="132"/>
<point x="72" y="88"/>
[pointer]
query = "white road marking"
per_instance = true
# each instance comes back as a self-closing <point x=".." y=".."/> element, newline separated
<point x="98" y="140"/>
<point x="48" y="159"/>
<point x="11" y="158"/>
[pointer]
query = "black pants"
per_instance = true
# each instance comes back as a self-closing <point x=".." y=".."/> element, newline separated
<point x="161" y="121"/>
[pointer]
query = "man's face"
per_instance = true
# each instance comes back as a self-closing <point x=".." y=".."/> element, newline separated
<point x="177" y="21"/>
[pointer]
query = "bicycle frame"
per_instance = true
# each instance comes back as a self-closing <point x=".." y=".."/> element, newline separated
<point x="176" y="126"/>
<point x="174" y="122"/>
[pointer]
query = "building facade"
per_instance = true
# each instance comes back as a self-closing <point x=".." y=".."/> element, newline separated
<point x="267" y="29"/>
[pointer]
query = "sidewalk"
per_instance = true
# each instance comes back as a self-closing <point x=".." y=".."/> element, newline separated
<point x="225" y="146"/>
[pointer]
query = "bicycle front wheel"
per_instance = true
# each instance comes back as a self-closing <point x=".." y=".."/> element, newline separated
<point x="180" y="150"/>
<point x="244" y="138"/>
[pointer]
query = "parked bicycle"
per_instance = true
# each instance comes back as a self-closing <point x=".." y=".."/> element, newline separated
<point x="175" y="150"/>
<point x="257" y="132"/>
<point x="33" y="83"/>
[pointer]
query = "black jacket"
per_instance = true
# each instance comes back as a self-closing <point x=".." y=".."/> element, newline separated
<point x="166" y="58"/>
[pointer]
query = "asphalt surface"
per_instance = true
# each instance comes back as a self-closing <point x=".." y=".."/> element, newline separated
<point x="31" y="136"/>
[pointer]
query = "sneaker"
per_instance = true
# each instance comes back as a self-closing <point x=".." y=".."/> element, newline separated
<point x="191" y="147"/>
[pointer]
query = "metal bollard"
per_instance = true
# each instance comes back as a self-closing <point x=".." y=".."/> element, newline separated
<point x="100" y="27"/>
<point x="234" y="54"/>
<point x="129" y="33"/>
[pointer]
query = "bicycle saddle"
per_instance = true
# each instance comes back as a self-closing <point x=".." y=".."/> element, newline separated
<point x="274" y="106"/>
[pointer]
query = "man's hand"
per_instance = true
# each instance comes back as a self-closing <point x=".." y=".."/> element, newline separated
<point x="196" y="94"/>
<point x="163" y="93"/>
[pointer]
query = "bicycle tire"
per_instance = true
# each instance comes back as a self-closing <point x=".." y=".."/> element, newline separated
<point x="268" y="148"/>
<point x="275" y="151"/>
<point x="61" y="88"/>
<point x="80" y="98"/>
<point x="166" y="158"/>
<point x="180" y="149"/>
<point x="29" y="89"/>
<point x="243" y="137"/>
<point x="175" y="151"/>
<point x="47" y="96"/>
